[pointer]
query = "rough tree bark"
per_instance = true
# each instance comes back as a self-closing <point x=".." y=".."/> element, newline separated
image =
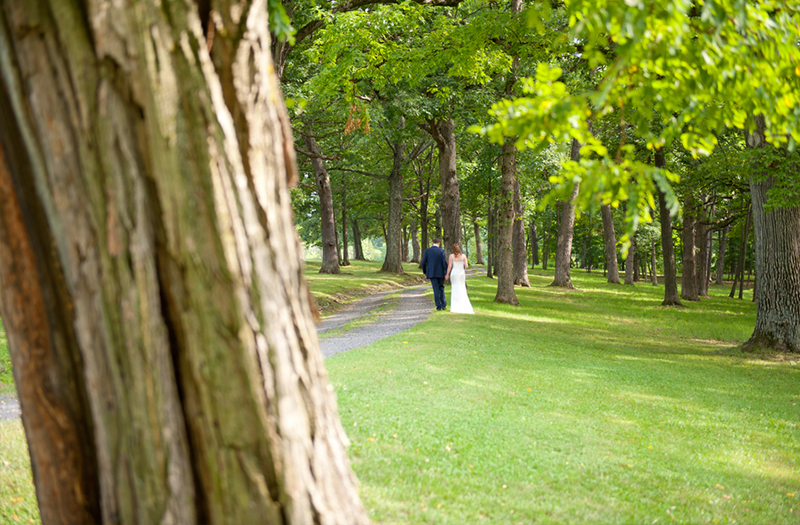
<point x="505" y="226"/>
<point x="153" y="294"/>
<point x="723" y="245"/>
<point x="415" y="250"/>
<point x="689" y="276"/>
<point x="629" y="262"/>
<point x="671" y="297"/>
<point x="478" y="249"/>
<point x="357" y="247"/>
<point x="653" y="263"/>
<point x="393" y="262"/>
<point x="330" y="246"/>
<point x="701" y="258"/>
<point x="546" y="243"/>
<point x="777" y="247"/>
<point x="520" y="262"/>
<point x="535" y="244"/>
<point x="490" y="235"/>
<point x="345" y="248"/>
<point x="738" y="276"/>
<point x="443" y="133"/>
<point x="565" y="231"/>
<point x="610" y="240"/>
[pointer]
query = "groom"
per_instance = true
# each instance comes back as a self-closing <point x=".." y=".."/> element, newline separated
<point x="434" y="266"/>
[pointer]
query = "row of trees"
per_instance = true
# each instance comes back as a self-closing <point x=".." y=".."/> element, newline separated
<point x="160" y="330"/>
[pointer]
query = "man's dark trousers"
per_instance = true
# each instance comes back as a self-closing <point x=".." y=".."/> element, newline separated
<point x="438" y="293"/>
<point x="434" y="266"/>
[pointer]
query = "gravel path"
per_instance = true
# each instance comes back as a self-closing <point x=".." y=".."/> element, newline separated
<point x="412" y="307"/>
<point x="9" y="407"/>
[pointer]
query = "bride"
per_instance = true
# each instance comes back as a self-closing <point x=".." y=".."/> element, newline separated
<point x="459" y="302"/>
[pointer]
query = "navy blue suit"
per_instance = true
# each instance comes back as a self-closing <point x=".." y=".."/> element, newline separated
<point x="434" y="266"/>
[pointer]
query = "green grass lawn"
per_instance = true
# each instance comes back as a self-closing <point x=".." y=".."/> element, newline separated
<point x="6" y="374"/>
<point x="588" y="406"/>
<point x="360" y="279"/>
<point x="17" y="495"/>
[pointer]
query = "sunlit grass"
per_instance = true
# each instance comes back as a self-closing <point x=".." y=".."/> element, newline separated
<point x="588" y="406"/>
<point x="6" y="374"/>
<point x="17" y="494"/>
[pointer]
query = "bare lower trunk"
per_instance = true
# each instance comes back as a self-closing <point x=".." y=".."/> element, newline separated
<point x="345" y="248"/>
<point x="653" y="263"/>
<point x="393" y="262"/>
<point x="535" y="245"/>
<point x="478" y="250"/>
<point x="723" y="245"/>
<point x="738" y="275"/>
<point x="671" y="297"/>
<point x="546" y="244"/>
<point x="777" y="246"/>
<point x="610" y="241"/>
<point x="490" y="235"/>
<point x="505" y="271"/>
<point x="443" y="133"/>
<point x="565" y="232"/>
<point x="701" y="269"/>
<point x="520" y="261"/>
<point x="629" y="263"/>
<point x="357" y="247"/>
<point x="689" y="278"/>
<point x="330" y="246"/>
<point x="415" y="250"/>
<point x="153" y="292"/>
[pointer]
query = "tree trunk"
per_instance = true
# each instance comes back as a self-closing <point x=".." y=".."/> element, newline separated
<point x="610" y="240"/>
<point x="478" y="250"/>
<point x="153" y="291"/>
<point x="565" y="231"/>
<point x="415" y="257"/>
<point x="689" y="277"/>
<point x="723" y="245"/>
<point x="547" y="234"/>
<point x="443" y="133"/>
<point x="777" y="246"/>
<point x="357" y="246"/>
<point x="423" y="211"/>
<point x="505" y="227"/>
<point x="345" y="248"/>
<point x="671" y="297"/>
<point x="404" y="244"/>
<point x="653" y="263"/>
<point x="738" y="276"/>
<point x="535" y="244"/>
<point x="330" y="256"/>
<point x="338" y="245"/>
<point x="393" y="262"/>
<point x="490" y="235"/>
<point x="701" y="237"/>
<point x="630" y="263"/>
<point x="520" y="249"/>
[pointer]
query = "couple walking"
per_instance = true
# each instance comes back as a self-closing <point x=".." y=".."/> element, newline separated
<point x="437" y="268"/>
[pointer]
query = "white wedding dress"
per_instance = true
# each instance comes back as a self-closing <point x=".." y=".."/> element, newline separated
<point x="459" y="301"/>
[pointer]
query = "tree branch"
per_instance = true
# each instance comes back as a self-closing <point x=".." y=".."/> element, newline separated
<point x="368" y="174"/>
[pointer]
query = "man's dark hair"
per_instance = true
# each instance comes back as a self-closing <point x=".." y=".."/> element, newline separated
<point x="437" y="240"/>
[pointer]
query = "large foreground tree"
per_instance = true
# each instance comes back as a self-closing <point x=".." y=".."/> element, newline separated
<point x="159" y="327"/>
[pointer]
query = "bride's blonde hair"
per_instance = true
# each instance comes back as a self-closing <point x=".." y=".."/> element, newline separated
<point x="456" y="250"/>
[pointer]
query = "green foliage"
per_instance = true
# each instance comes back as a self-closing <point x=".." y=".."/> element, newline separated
<point x="578" y="407"/>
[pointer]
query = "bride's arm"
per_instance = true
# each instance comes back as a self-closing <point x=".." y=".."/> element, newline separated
<point x="449" y="267"/>
<point x="466" y="262"/>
